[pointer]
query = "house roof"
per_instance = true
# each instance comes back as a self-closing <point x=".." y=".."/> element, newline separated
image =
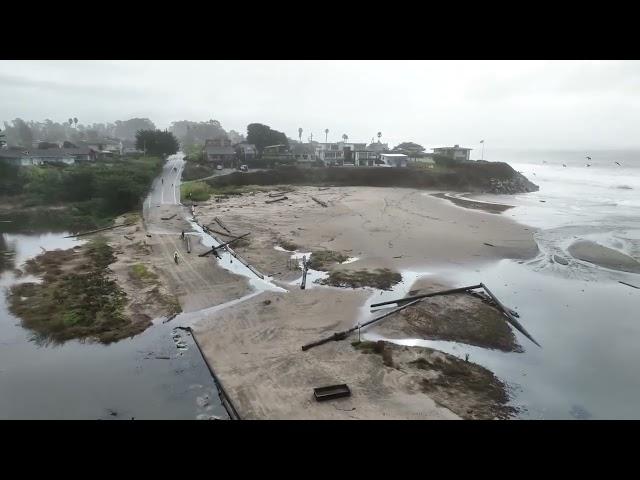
<point x="452" y="148"/>
<point x="393" y="154"/>
<point x="214" y="150"/>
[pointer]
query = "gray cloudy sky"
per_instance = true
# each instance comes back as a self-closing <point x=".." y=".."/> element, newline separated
<point x="542" y="104"/>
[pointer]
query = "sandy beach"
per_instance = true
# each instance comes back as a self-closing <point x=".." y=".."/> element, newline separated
<point x="255" y="346"/>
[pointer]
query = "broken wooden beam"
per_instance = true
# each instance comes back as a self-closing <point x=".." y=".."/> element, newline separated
<point x="169" y="218"/>
<point x="219" y="222"/>
<point x="510" y="317"/>
<point x="273" y="195"/>
<point x="100" y="230"/>
<point x="426" y="295"/>
<point x="320" y="202"/>
<point x="218" y="232"/>
<point x="277" y="200"/>
<point x="627" y="284"/>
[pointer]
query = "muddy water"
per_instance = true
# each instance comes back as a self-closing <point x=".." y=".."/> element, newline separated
<point x="150" y="376"/>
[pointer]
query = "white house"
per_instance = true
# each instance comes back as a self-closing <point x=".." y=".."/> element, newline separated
<point x="455" y="152"/>
<point x="394" y="159"/>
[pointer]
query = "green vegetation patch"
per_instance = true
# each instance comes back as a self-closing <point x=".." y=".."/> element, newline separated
<point x="140" y="272"/>
<point x="195" y="191"/>
<point x="320" y="259"/>
<point x="76" y="299"/>
<point x="381" y="278"/>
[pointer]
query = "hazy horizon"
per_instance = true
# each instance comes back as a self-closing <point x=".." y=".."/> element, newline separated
<point x="546" y="105"/>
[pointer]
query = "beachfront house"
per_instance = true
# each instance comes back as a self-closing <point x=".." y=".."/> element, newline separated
<point x="339" y="153"/>
<point x="278" y="154"/>
<point x="455" y="152"/>
<point x="245" y="152"/>
<point x="304" y="153"/>
<point x="219" y="151"/>
<point x="394" y="159"/>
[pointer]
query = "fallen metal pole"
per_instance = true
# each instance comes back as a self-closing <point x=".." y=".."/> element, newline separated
<point x="99" y="230"/>
<point x="304" y="273"/>
<point x="219" y="222"/>
<point x="222" y="245"/>
<point x="426" y="295"/>
<point x="510" y="317"/>
<point x="342" y="335"/>
<point x="224" y="398"/>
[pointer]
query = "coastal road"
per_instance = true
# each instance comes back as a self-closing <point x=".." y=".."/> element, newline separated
<point x="198" y="282"/>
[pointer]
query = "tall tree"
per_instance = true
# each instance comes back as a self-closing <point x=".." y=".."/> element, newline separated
<point x="127" y="129"/>
<point x="70" y="121"/>
<point x="345" y="137"/>
<point x="157" y="142"/>
<point x="300" y="134"/>
<point x="75" y="121"/>
<point x="326" y="135"/>
<point x="379" y="136"/>
<point x="262" y="136"/>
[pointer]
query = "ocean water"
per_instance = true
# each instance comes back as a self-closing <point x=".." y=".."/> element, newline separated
<point x="586" y="321"/>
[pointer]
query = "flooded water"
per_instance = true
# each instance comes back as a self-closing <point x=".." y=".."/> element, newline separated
<point x="585" y="320"/>
<point x="158" y="374"/>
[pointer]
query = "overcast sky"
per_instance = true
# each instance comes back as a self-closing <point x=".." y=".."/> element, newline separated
<point x="540" y="104"/>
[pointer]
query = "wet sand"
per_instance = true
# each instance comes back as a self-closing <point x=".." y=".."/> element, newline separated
<point x="255" y="346"/>
<point x="602" y="256"/>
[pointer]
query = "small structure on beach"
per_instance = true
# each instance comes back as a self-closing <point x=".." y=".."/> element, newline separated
<point x="456" y="152"/>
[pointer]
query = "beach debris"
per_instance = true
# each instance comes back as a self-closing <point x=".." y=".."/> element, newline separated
<point x="169" y="218"/>
<point x="128" y="237"/>
<point x="222" y="245"/>
<point x="224" y="398"/>
<point x="100" y="230"/>
<point x="319" y="202"/>
<point x="148" y="235"/>
<point x="323" y="188"/>
<point x="331" y="391"/>
<point x="219" y="222"/>
<point x="267" y="302"/>
<point x="277" y="194"/>
<point x="162" y="357"/>
<point x="509" y="315"/>
<point x="628" y="284"/>
<point x="305" y="267"/>
<point x="277" y="200"/>
<point x="342" y="335"/>
<point x="427" y="295"/>
<point x="488" y="244"/>
<point x="543" y="201"/>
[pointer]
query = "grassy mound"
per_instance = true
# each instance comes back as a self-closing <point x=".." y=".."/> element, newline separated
<point x="381" y="278"/>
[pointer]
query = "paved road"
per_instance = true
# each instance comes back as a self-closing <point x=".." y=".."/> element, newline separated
<point x="198" y="282"/>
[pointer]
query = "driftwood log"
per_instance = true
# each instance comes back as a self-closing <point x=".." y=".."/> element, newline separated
<point x="320" y="202"/>
<point x="100" y="230"/>
<point x="277" y="200"/>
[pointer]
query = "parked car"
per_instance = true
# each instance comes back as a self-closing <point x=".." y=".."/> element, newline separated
<point x="218" y="167"/>
<point x="244" y="168"/>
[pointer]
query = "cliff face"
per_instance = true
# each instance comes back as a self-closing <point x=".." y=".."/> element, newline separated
<point x="475" y="176"/>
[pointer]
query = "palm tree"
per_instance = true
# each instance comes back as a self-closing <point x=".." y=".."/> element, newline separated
<point x="75" y="120"/>
<point x="345" y="137"/>
<point x="300" y="134"/>
<point x="70" y="121"/>
<point x="326" y="135"/>
<point x="379" y="135"/>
